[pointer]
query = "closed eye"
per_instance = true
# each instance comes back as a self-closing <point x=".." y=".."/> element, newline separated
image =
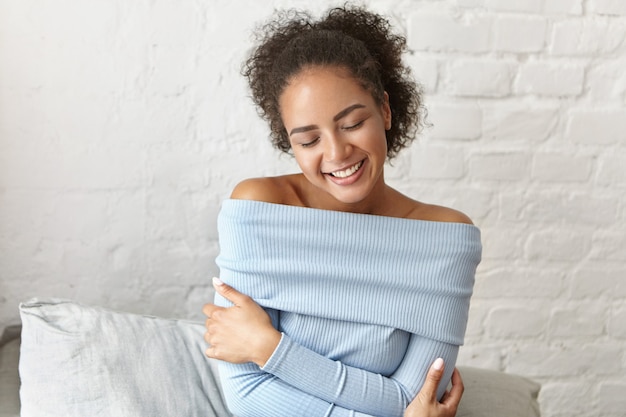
<point x="310" y="143"/>
<point x="354" y="126"/>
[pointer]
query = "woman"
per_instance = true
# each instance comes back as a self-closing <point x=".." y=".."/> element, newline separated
<point x="361" y="287"/>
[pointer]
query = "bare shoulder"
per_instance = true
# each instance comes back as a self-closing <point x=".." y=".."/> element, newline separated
<point x="266" y="189"/>
<point x="433" y="212"/>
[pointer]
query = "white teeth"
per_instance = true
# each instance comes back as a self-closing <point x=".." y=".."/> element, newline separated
<point x="347" y="172"/>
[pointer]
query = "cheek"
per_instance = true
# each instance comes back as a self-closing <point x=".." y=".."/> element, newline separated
<point x="305" y="161"/>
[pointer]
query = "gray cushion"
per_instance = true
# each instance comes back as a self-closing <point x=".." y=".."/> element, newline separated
<point x="79" y="361"/>
<point x="496" y="394"/>
<point x="9" y="379"/>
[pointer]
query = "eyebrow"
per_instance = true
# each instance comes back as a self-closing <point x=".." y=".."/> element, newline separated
<point x="343" y="113"/>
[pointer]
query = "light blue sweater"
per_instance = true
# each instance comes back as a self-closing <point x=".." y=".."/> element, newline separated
<point x="365" y="304"/>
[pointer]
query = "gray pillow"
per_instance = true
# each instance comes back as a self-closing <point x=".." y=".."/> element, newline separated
<point x="82" y="361"/>
<point x="497" y="394"/>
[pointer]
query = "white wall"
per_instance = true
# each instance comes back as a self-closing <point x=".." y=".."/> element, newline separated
<point x="124" y="124"/>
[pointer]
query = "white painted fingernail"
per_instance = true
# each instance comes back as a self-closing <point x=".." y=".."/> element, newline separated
<point x="438" y="364"/>
<point x="217" y="281"/>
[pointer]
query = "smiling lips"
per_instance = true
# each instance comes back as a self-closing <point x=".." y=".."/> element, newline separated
<point x="347" y="172"/>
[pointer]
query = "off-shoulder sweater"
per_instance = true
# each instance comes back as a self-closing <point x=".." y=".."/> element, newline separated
<point x="364" y="303"/>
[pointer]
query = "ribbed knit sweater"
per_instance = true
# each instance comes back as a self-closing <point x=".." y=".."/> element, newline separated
<point x="365" y="304"/>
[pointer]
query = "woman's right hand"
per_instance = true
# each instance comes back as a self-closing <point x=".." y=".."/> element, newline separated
<point x="425" y="403"/>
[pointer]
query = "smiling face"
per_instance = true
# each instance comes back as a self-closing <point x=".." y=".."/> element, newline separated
<point x="337" y="134"/>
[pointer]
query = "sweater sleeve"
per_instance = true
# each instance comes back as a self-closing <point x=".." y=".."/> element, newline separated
<point x="250" y="391"/>
<point x="355" y="388"/>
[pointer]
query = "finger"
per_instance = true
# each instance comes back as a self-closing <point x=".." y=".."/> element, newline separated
<point x="209" y="309"/>
<point x="229" y="292"/>
<point x="456" y="392"/>
<point x="429" y="390"/>
<point x="210" y="352"/>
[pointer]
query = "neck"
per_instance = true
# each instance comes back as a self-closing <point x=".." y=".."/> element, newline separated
<point x="380" y="201"/>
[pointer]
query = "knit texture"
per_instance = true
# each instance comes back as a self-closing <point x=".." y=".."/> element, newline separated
<point x="365" y="302"/>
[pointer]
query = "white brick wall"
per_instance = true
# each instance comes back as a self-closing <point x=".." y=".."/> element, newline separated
<point x="124" y="124"/>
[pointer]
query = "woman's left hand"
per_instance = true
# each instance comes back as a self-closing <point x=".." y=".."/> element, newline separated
<point x="425" y="403"/>
<point x="241" y="333"/>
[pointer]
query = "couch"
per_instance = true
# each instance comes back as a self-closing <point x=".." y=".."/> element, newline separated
<point x="77" y="360"/>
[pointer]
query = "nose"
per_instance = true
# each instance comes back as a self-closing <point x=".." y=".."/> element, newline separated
<point x="336" y="148"/>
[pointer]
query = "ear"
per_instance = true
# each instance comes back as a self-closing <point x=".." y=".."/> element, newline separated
<point x="386" y="111"/>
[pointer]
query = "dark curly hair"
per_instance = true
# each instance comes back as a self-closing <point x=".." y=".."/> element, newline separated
<point x="349" y="37"/>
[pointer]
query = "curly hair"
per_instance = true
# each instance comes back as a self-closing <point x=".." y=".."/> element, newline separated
<point x="349" y="37"/>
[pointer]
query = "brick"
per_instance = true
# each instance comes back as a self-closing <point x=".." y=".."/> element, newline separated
<point x="515" y="322"/>
<point x="519" y="123"/>
<point x="483" y="78"/>
<point x="547" y="207"/>
<point x="617" y="323"/>
<point x="571" y="7"/>
<point x="595" y="281"/>
<point x="499" y="166"/>
<point x="398" y="169"/>
<point x="425" y="71"/>
<point x="481" y="356"/>
<point x="519" y="282"/>
<point x="560" y="167"/>
<point x="550" y="79"/>
<point x="181" y="262"/>
<point x="127" y="215"/>
<point x="564" y="360"/>
<point x="557" y="245"/>
<point x="123" y="257"/>
<point x="511" y="208"/>
<point x="166" y="216"/>
<point x="596" y="127"/>
<point x="75" y="216"/>
<point x="453" y="121"/>
<point x="557" y="397"/>
<point x="55" y="166"/>
<point x="475" y="202"/>
<point x="585" y="37"/>
<point x="437" y="162"/>
<point x="519" y="34"/>
<point x="477" y="312"/>
<point x="498" y="245"/>
<point x="530" y="6"/>
<point x="607" y="80"/>
<point x="609" y="245"/>
<point x="607" y="7"/>
<point x="611" y="170"/>
<point x="470" y="3"/>
<point x="611" y="396"/>
<point x="431" y="31"/>
<point x="587" y="320"/>
<point x="172" y="164"/>
<point x="552" y="207"/>
<point x="581" y="209"/>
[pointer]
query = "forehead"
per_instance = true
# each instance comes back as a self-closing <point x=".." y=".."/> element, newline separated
<point x="322" y="88"/>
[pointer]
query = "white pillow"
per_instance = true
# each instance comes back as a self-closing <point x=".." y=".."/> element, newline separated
<point x="80" y="361"/>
